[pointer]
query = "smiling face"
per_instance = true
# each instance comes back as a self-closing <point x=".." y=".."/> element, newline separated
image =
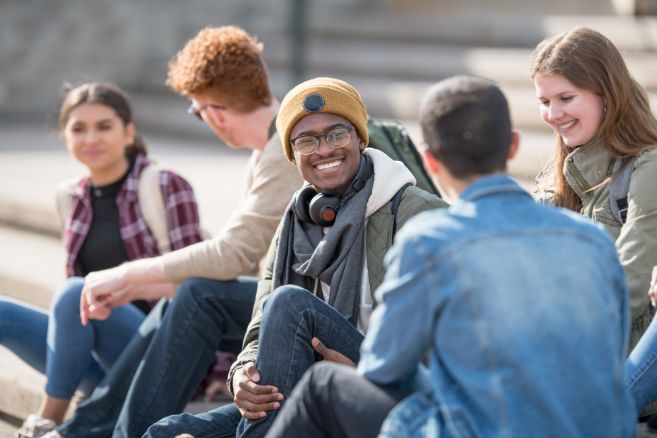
<point x="574" y="113"/>
<point x="97" y="137"/>
<point x="328" y="169"/>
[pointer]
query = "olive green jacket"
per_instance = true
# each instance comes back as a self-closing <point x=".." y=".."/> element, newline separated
<point x="587" y="169"/>
<point x="379" y="236"/>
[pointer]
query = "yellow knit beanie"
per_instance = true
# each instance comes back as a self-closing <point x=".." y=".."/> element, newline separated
<point x="320" y="95"/>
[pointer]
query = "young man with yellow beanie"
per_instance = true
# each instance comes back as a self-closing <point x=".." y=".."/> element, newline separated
<point x="325" y="261"/>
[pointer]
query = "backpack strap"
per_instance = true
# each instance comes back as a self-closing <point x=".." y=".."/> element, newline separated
<point x="64" y="200"/>
<point x="411" y="147"/>
<point x="394" y="206"/>
<point x="620" y="186"/>
<point x="151" y="205"/>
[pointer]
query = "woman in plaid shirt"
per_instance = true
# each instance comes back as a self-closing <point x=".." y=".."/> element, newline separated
<point x="104" y="228"/>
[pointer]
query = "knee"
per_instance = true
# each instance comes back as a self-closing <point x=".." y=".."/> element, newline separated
<point x="9" y="311"/>
<point x="5" y="309"/>
<point x="190" y="290"/>
<point x="319" y="381"/>
<point x="285" y="298"/>
<point x="322" y="374"/>
<point x="66" y="300"/>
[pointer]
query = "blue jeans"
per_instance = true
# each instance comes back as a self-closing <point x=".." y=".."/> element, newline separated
<point x="641" y="368"/>
<point x="72" y="356"/>
<point x="292" y="316"/>
<point x="162" y="366"/>
<point x="218" y="423"/>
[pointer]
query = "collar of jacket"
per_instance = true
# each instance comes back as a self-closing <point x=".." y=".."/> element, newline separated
<point x="587" y="166"/>
<point x="492" y="185"/>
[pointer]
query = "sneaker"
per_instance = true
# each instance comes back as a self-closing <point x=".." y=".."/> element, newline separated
<point x="35" y="427"/>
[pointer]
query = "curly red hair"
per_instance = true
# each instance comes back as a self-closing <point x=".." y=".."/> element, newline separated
<point x="225" y="62"/>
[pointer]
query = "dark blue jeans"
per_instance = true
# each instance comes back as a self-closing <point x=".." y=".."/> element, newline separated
<point x="161" y="367"/>
<point x="292" y="316"/>
<point x="218" y="423"/>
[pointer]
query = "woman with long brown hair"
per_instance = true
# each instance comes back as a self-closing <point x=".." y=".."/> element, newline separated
<point x="605" y="132"/>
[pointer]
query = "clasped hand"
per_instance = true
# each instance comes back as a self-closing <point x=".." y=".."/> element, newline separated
<point x="254" y="400"/>
<point x="102" y="291"/>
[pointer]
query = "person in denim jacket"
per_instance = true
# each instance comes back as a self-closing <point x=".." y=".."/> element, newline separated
<point x="520" y="308"/>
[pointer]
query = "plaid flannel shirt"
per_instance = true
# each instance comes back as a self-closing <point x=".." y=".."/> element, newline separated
<point x="181" y="212"/>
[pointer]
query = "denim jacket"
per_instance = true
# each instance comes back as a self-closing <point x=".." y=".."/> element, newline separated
<point x="523" y="312"/>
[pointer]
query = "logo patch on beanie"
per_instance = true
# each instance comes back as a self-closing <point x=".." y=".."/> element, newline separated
<point x="313" y="103"/>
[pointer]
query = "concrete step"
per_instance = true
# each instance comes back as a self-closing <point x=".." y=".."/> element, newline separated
<point x="22" y="388"/>
<point x="430" y="60"/>
<point x="21" y="385"/>
<point x="32" y="266"/>
<point x="491" y="27"/>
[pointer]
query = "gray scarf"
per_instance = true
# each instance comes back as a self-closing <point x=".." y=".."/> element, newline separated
<point x="336" y="258"/>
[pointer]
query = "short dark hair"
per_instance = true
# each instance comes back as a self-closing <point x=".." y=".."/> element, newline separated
<point x="466" y="125"/>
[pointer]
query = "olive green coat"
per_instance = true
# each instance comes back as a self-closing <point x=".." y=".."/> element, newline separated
<point x="587" y="169"/>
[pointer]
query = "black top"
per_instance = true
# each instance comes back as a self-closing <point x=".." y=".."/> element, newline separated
<point x="103" y="247"/>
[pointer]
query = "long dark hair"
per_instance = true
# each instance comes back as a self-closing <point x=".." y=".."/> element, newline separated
<point x="106" y="94"/>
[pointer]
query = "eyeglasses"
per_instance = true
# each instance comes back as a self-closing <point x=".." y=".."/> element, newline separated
<point x="337" y="137"/>
<point x="195" y="110"/>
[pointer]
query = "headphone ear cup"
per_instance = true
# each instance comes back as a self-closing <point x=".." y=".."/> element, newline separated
<point x="323" y="209"/>
<point x="301" y="201"/>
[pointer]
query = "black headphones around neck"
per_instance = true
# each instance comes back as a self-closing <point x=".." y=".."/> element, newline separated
<point x="316" y="208"/>
<point x="322" y="208"/>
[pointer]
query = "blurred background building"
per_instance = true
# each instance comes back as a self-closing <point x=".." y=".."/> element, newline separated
<point x="389" y="49"/>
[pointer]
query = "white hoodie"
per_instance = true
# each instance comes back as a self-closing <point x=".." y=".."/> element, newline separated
<point x="389" y="177"/>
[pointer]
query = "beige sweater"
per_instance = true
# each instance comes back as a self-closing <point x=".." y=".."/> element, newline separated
<point x="243" y="242"/>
